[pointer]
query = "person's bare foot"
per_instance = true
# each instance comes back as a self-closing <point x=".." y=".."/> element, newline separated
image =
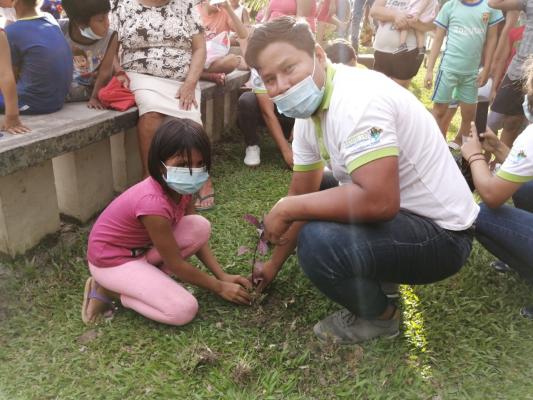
<point x="206" y="197"/>
<point x="95" y="306"/>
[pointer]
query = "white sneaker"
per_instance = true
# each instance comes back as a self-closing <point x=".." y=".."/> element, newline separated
<point x="252" y="158"/>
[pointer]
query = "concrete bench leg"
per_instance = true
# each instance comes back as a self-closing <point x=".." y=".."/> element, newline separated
<point x="230" y="108"/>
<point x="84" y="180"/>
<point x="28" y="208"/>
<point x="127" y="167"/>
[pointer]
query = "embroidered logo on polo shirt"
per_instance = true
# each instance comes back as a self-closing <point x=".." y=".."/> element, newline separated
<point x="485" y="17"/>
<point x="516" y="157"/>
<point x="364" y="139"/>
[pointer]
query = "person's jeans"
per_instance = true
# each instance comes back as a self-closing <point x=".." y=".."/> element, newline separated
<point x="357" y="15"/>
<point x="507" y="232"/>
<point x="347" y="262"/>
<point x="250" y="118"/>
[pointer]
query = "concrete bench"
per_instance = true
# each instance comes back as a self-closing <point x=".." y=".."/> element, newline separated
<point x="74" y="161"/>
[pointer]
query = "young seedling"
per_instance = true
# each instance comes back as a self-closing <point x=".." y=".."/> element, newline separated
<point x="257" y="265"/>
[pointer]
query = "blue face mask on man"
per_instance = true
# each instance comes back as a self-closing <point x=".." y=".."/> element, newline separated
<point x="183" y="181"/>
<point x="301" y="100"/>
<point x="527" y="113"/>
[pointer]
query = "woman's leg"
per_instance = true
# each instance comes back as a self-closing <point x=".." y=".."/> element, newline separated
<point x="149" y="291"/>
<point x="146" y="128"/>
<point x="507" y="232"/>
<point x="523" y="198"/>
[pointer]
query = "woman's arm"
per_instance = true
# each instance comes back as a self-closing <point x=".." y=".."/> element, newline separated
<point x="385" y="14"/>
<point x="162" y="236"/>
<point x="105" y="71"/>
<point x="493" y="190"/>
<point x="507" y="5"/>
<point x="8" y="87"/>
<point x="304" y="8"/>
<point x="186" y="92"/>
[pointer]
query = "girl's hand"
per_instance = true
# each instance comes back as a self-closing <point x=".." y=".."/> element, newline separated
<point x="186" y="96"/>
<point x="13" y="125"/>
<point x="491" y="143"/>
<point x="94" y="103"/>
<point x="239" y="280"/>
<point x="235" y="293"/>
<point x="473" y="145"/>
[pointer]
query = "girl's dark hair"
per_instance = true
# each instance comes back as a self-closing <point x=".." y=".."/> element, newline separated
<point x="340" y="51"/>
<point x="295" y="32"/>
<point x="81" y="11"/>
<point x="177" y="137"/>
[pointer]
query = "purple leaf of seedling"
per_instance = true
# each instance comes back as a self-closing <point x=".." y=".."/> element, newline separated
<point x="243" y="250"/>
<point x="252" y="220"/>
<point x="262" y="247"/>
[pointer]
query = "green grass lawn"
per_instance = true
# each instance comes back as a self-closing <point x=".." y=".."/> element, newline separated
<point x="461" y="338"/>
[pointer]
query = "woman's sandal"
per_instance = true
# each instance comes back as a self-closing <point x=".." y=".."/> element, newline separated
<point x="89" y="294"/>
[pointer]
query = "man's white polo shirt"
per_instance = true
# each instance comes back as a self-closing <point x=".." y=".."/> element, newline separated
<point x="365" y="116"/>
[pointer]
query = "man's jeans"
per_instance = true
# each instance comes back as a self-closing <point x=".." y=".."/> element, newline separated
<point x="347" y="262"/>
<point x="357" y="15"/>
<point x="507" y="232"/>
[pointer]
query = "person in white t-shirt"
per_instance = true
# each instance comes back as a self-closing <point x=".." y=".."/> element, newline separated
<point x="505" y="231"/>
<point x="402" y="212"/>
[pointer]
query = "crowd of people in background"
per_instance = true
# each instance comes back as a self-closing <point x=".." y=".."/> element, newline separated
<point x="346" y="133"/>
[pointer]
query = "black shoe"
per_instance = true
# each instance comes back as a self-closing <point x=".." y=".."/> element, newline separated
<point x="500" y="266"/>
<point x="527" y="312"/>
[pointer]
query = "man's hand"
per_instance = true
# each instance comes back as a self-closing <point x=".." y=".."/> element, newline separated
<point x="277" y="222"/>
<point x="400" y="20"/>
<point x="263" y="276"/>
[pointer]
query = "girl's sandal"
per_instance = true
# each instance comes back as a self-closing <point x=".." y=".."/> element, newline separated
<point x="89" y="293"/>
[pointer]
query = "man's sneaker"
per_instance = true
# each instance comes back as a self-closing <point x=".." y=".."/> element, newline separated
<point x="527" y="312"/>
<point x="401" y="49"/>
<point x="500" y="266"/>
<point x="391" y="290"/>
<point x="343" y="327"/>
<point x="253" y="156"/>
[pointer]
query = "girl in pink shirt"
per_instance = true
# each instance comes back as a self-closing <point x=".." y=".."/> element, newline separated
<point x="147" y="233"/>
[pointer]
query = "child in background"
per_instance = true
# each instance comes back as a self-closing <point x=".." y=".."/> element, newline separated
<point x="52" y="7"/>
<point x="471" y="28"/>
<point x="8" y="90"/>
<point x="41" y="58"/>
<point x="419" y="10"/>
<point x="7" y="13"/>
<point x="219" y="20"/>
<point x="93" y="46"/>
<point x="341" y="51"/>
<point x="149" y="231"/>
<point x="327" y="15"/>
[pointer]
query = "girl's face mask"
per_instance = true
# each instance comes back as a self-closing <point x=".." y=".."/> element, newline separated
<point x="88" y="33"/>
<point x="184" y="180"/>
<point x="301" y="100"/>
